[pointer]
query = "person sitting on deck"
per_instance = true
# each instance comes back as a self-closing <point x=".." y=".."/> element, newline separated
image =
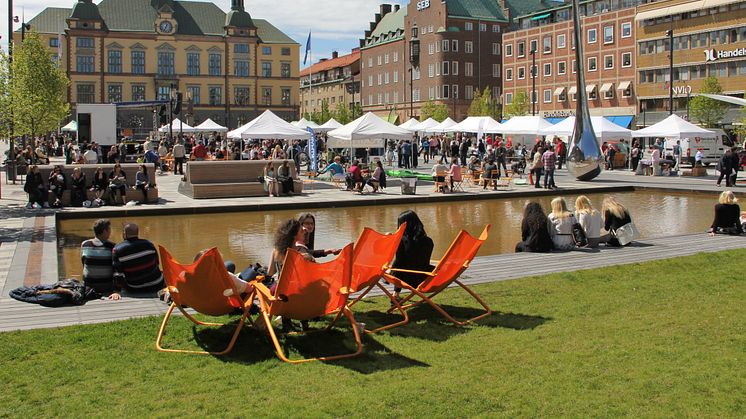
<point x="137" y="260"/>
<point x="535" y="235"/>
<point x="96" y="255"/>
<point x="727" y="215"/>
<point x="335" y="169"/>
<point x="615" y="216"/>
<point x="354" y="177"/>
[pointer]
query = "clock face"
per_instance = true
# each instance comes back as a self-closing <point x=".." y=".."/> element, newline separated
<point x="166" y="26"/>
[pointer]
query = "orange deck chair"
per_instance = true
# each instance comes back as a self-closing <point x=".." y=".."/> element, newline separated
<point x="306" y="290"/>
<point x="454" y="262"/>
<point x="206" y="287"/>
<point x="371" y="258"/>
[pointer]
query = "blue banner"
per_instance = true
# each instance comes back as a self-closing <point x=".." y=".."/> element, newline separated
<point x="308" y="48"/>
<point x="312" y="151"/>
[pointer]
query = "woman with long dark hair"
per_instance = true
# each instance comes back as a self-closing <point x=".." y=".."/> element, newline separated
<point x="414" y="252"/>
<point x="308" y="223"/>
<point x="535" y="236"/>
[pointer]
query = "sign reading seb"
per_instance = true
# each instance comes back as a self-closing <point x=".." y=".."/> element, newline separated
<point x="714" y="55"/>
<point x="422" y="5"/>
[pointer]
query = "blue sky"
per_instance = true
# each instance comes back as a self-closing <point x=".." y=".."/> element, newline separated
<point x="335" y="25"/>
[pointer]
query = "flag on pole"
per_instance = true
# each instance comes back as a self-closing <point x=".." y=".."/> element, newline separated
<point x="312" y="151"/>
<point x="308" y="48"/>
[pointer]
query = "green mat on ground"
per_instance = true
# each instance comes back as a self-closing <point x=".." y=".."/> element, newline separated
<point x="408" y="173"/>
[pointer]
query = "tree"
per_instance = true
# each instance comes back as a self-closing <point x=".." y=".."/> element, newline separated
<point x="430" y="109"/>
<point x="342" y="114"/>
<point x="5" y="114"/>
<point x="325" y="114"/>
<point x="482" y="104"/>
<point x="518" y="107"/>
<point x="708" y="112"/>
<point x="38" y="89"/>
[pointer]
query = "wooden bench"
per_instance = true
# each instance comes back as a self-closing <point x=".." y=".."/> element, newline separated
<point x="89" y="170"/>
<point x="229" y="178"/>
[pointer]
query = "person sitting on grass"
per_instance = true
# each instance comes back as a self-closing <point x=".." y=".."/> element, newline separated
<point x="535" y="236"/>
<point x="96" y="255"/>
<point x="414" y="251"/>
<point x="727" y="215"/>
<point x="137" y="261"/>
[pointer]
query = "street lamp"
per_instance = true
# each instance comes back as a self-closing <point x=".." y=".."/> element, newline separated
<point x="533" y="81"/>
<point x="414" y="61"/>
<point x="669" y="34"/>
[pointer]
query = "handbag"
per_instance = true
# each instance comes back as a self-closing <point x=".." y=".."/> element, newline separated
<point x="578" y="235"/>
<point x="626" y="233"/>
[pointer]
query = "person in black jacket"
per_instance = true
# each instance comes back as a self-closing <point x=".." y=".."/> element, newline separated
<point x="414" y="252"/>
<point x="725" y="167"/>
<point x="735" y="165"/>
<point x="615" y="216"/>
<point x="57" y="185"/>
<point x="34" y="187"/>
<point x="78" y="191"/>
<point x="727" y="215"/>
<point x="535" y="235"/>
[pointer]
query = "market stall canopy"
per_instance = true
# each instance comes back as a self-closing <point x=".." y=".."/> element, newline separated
<point x="71" y="126"/>
<point x="602" y="127"/>
<point x="483" y="124"/>
<point x="525" y="125"/>
<point x="177" y="125"/>
<point x="210" y="126"/>
<point x="728" y="99"/>
<point x="328" y="126"/>
<point x="304" y="123"/>
<point x="269" y="126"/>
<point x="367" y="131"/>
<point x="425" y="125"/>
<point x="673" y="127"/>
<point x="443" y="126"/>
<point x="409" y="125"/>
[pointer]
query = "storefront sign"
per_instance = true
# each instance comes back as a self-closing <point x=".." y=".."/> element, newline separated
<point x="682" y="90"/>
<point x="558" y="114"/>
<point x="714" y="55"/>
<point x="422" y="5"/>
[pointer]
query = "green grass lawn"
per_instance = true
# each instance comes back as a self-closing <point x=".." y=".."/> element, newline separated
<point x="664" y="338"/>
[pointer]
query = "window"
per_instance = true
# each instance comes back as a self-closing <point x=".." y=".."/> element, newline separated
<point x="592" y="36"/>
<point x="379" y="60"/>
<point x="215" y="67"/>
<point x="380" y="78"/>
<point x="266" y="50"/>
<point x="266" y="69"/>
<point x="468" y="26"/>
<point x="508" y="98"/>
<point x="495" y="28"/>
<point x="86" y="92"/>
<point x="561" y="67"/>
<point x="534" y="46"/>
<point x="468" y="92"/>
<point x="626" y="29"/>
<point x="138" y="92"/>
<point x="608" y="34"/>
<point x="115" y="62"/>
<point x="386" y="78"/>
<point x="164" y="93"/>
<point x="138" y="62"/>
<point x="84" y="43"/>
<point x="561" y="41"/>
<point x="85" y="64"/>
<point x="495" y="70"/>
<point x="547" y="44"/>
<point x="547" y="69"/>
<point x="446" y="91"/>
<point x="396" y="77"/>
<point x="521" y="49"/>
<point x="241" y="68"/>
<point x="446" y="67"/>
<point x="285" y="96"/>
<point x="430" y="71"/>
<point x="193" y="63"/>
<point x="114" y="93"/>
<point x="547" y="96"/>
<point x="454" y="45"/>
<point x="240" y="48"/>
<point x="495" y="48"/>
<point x="591" y="63"/>
<point x="446" y="45"/>
<point x="469" y="69"/>
<point x="54" y="42"/>
<point x="454" y="91"/>
<point x="468" y="47"/>
<point x="215" y="95"/>
<point x="482" y="27"/>
<point x="285" y="51"/>
<point x="627" y="92"/>
<point x="521" y="73"/>
<point x="370" y="62"/>
<point x="574" y="66"/>
<point x="608" y="62"/>
<point x="626" y="59"/>
<point x="508" y="74"/>
<point x="285" y="69"/>
<point x="194" y="93"/>
<point x="430" y="49"/>
<point x="396" y="56"/>
<point x="166" y="63"/>
<point x="386" y="59"/>
<point x="241" y="95"/>
<point x="509" y="50"/>
<point x="370" y="81"/>
<point x="609" y="94"/>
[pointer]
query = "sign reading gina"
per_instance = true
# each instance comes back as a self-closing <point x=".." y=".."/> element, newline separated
<point x="714" y="55"/>
<point x="422" y="5"/>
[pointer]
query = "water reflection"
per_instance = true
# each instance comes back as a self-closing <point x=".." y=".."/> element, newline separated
<point x="247" y="237"/>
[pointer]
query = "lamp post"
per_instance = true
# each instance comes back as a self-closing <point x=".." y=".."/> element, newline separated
<point x="669" y="33"/>
<point x="414" y="61"/>
<point x="533" y="82"/>
<point x="11" y="166"/>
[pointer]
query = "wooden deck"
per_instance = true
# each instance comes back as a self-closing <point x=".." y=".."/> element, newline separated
<point x="20" y="316"/>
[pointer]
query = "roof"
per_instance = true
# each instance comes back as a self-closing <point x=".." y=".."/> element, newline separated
<point x="387" y="28"/>
<point x="342" y="61"/>
<point x="269" y="34"/>
<point x="50" y="20"/>
<point x="475" y="9"/>
<point x="86" y="10"/>
<point x="527" y="7"/>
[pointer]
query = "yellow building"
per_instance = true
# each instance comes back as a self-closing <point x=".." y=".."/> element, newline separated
<point x="230" y="67"/>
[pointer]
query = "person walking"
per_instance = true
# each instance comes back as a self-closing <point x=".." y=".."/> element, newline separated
<point x="537" y="168"/>
<point x="406" y="154"/>
<point x="725" y="167"/>
<point x="178" y="154"/>
<point x="549" y="159"/>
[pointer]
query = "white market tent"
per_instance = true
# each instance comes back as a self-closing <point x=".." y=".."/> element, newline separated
<point x="328" y="126"/>
<point x="673" y="127"/>
<point x="477" y="124"/>
<point x="304" y="123"/>
<point x="602" y="127"/>
<point x="410" y="124"/>
<point x="269" y="126"/>
<point x="210" y="126"/>
<point x="525" y="125"/>
<point x="729" y="99"/>
<point x="443" y="126"/>
<point x="367" y="131"/>
<point x="425" y="125"/>
<point x="71" y="126"/>
<point x="177" y="125"/>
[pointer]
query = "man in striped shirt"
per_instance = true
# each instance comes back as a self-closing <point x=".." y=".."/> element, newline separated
<point x="137" y="260"/>
<point x="96" y="254"/>
<point x="549" y="159"/>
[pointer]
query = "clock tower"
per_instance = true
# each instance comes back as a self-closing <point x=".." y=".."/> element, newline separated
<point x="165" y="24"/>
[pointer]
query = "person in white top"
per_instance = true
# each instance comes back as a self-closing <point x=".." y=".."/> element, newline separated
<point x="656" y="159"/>
<point x="560" y="225"/>
<point x="90" y="156"/>
<point x="589" y="219"/>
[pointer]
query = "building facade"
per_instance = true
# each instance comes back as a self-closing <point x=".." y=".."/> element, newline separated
<point x="228" y="66"/>
<point x="707" y="41"/>
<point x="432" y="51"/>
<point x="609" y="48"/>
<point x="335" y="80"/>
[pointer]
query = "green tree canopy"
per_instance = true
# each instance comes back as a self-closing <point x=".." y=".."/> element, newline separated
<point x="430" y="109"/>
<point x="518" y="107"/>
<point x="5" y="114"/>
<point x="708" y="112"/>
<point x="342" y="114"/>
<point x="38" y="88"/>
<point x="482" y="104"/>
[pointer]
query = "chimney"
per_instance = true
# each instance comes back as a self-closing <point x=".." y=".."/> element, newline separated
<point x="335" y="54"/>
<point x="373" y="25"/>
<point x="377" y="17"/>
<point x="396" y="8"/>
<point x="385" y="8"/>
